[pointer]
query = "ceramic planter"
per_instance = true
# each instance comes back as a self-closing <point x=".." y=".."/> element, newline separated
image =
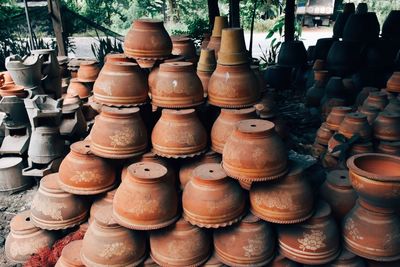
<point x="79" y="88"/>
<point x="386" y="126"/>
<point x="355" y="123"/>
<point x="88" y="71"/>
<point x="391" y="148"/>
<point x="377" y="100"/>
<point x="45" y="145"/>
<point x="26" y="71"/>
<point x="11" y="178"/>
<point x="184" y="46"/>
<point x="233" y="48"/>
<point x="71" y="255"/>
<point x="323" y="134"/>
<point x="393" y="84"/>
<point x="336" y="117"/>
<point x="220" y="22"/>
<point x="103" y="200"/>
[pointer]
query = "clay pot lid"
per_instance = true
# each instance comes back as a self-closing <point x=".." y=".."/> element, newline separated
<point x="181" y="66"/>
<point x="322" y="211"/>
<point x="81" y="147"/>
<point x="71" y="253"/>
<point x="376" y="166"/>
<point x="119" y="111"/>
<point x="209" y="172"/>
<point x="250" y="218"/>
<point x="104" y="217"/>
<point x="147" y="170"/>
<point x="339" y="178"/>
<point x="22" y="222"/>
<point x="255" y="126"/>
<point x="8" y="162"/>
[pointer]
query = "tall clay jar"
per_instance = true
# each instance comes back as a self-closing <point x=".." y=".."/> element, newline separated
<point x="206" y="67"/>
<point x="220" y="22"/>
<point x="118" y="133"/>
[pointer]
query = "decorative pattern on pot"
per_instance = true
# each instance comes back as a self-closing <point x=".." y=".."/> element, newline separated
<point x="355" y="123"/>
<point x="220" y="22"/>
<point x="11" y="178"/>
<point x="336" y="117"/>
<point x="45" y="145"/>
<point x="79" y="88"/>
<point x="387" y="126"/>
<point x="71" y="255"/>
<point x="88" y="71"/>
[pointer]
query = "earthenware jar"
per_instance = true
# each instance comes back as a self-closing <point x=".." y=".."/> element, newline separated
<point x="181" y="244"/>
<point x="362" y="27"/>
<point x="54" y="209"/>
<point x="361" y="148"/>
<point x="355" y="123"/>
<point x="370" y="112"/>
<point x="377" y="100"/>
<point x="120" y="84"/>
<point x="12" y="90"/>
<point x="71" y="255"/>
<point x="88" y="71"/>
<point x="154" y="201"/>
<point x="233" y="48"/>
<point x="118" y="133"/>
<point x="184" y="46"/>
<point x="323" y="134"/>
<point x="79" y="88"/>
<point x="220" y="22"/>
<point x="11" y="178"/>
<point x="108" y="244"/>
<point x="205" y="67"/>
<point x="178" y="134"/>
<point x="315" y="241"/>
<point x="177" y="86"/>
<point x="254" y="152"/>
<point x="225" y="125"/>
<point x="45" y="145"/>
<point x="393" y="84"/>
<point x="391" y="148"/>
<point x="103" y="200"/>
<point x="26" y="71"/>
<point x="254" y="243"/>
<point x="292" y="54"/>
<point x="336" y="117"/>
<point x="119" y="57"/>
<point x="387" y="126"/>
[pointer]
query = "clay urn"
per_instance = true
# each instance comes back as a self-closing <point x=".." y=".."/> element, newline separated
<point x="370" y="112"/>
<point x="377" y="100"/>
<point x="152" y="77"/>
<point x="153" y="199"/>
<point x="108" y="244"/>
<point x="12" y="90"/>
<point x="361" y="148"/>
<point x="71" y="255"/>
<point x="103" y="200"/>
<point x="180" y="244"/>
<point x="287" y="200"/>
<point x="355" y="123"/>
<point x="233" y="48"/>
<point x="205" y="67"/>
<point x="121" y="84"/>
<point x="338" y="193"/>
<point x="88" y="71"/>
<point x="118" y="133"/>
<point x="220" y="22"/>
<point x="184" y="46"/>
<point x="347" y="259"/>
<point x="250" y="242"/>
<point x="79" y="88"/>
<point x="211" y="199"/>
<point x="336" y="117"/>
<point x="315" y="241"/>
<point x="178" y="134"/>
<point x="323" y="134"/>
<point x="119" y="57"/>
<point x="292" y="54"/>
<point x="11" y="178"/>
<point x="213" y="261"/>
<point x="386" y="126"/>
<point x="225" y="124"/>
<point x="391" y="148"/>
<point x="393" y="84"/>
<point x="25" y="239"/>
<point x="54" y="209"/>
<point x="254" y="152"/>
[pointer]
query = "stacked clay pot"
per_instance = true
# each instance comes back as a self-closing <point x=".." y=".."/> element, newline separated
<point x="220" y="22"/>
<point x="71" y="255"/>
<point x="205" y="67"/>
<point x="184" y="46"/>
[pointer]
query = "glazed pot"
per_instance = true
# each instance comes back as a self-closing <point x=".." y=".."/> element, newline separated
<point x="233" y="48"/>
<point x="205" y="40"/>
<point x="336" y="117"/>
<point x="347" y="259"/>
<point x="108" y="244"/>
<point x="45" y="145"/>
<point x="25" y="239"/>
<point x="211" y="199"/>
<point x="393" y="84"/>
<point x="11" y="178"/>
<point x="178" y="134"/>
<point x="390" y="29"/>
<point x="181" y="244"/>
<point x="103" y="200"/>
<point x="386" y="126"/>
<point x="12" y="90"/>
<point x="177" y="86"/>
<point x="370" y="112"/>
<point x="71" y="255"/>
<point x="323" y="135"/>
<point x="152" y="77"/>
<point x="248" y="243"/>
<point x="88" y="71"/>
<point x="26" y="71"/>
<point x="220" y="22"/>
<point x="119" y="57"/>
<point x="390" y="148"/>
<point x="292" y="54"/>
<point x="79" y="88"/>
<point x="343" y="58"/>
<point x="54" y="209"/>
<point x="362" y="27"/>
<point x="118" y="133"/>
<point x="154" y="201"/>
<point x="120" y="84"/>
<point x="254" y="152"/>
<point x="225" y="125"/>
<point x="184" y="46"/>
<point x="377" y="100"/>
<point x="355" y="123"/>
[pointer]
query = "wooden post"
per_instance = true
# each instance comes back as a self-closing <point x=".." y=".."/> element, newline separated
<point x="253" y="16"/>
<point x="28" y="21"/>
<point x="234" y="13"/>
<point x="54" y="7"/>
<point x="289" y="20"/>
<point x="213" y="11"/>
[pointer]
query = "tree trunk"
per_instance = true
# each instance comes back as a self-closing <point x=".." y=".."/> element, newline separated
<point x="234" y="14"/>
<point x="289" y="20"/>
<point x="213" y="11"/>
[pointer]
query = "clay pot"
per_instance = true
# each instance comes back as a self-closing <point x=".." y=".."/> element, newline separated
<point x="207" y="62"/>
<point x="347" y="259"/>
<point x="233" y="87"/>
<point x="178" y="134"/>
<point x="390" y="148"/>
<point x="152" y="77"/>
<point x="12" y="90"/>
<point x="103" y="201"/>
<point x="323" y="134"/>
<point x="355" y="123"/>
<point x="213" y="261"/>
<point x="343" y="58"/>
<point x="26" y="71"/>
<point x="220" y="22"/>
<point x="393" y="84"/>
<point x="88" y="71"/>
<point x="108" y="244"/>
<point x="25" y="239"/>
<point x="340" y="22"/>
<point x="54" y="209"/>
<point x="319" y="65"/>
<point x="254" y="152"/>
<point x="361" y="27"/>
<point x="45" y="145"/>
<point x="390" y="29"/>
<point x="211" y="199"/>
<point x="292" y="54"/>
<point x="338" y="193"/>
<point x="393" y="106"/>
<point x="321" y="76"/>
<point x="276" y="77"/>
<point x="11" y="178"/>
<point x="314" y="95"/>
<point x="225" y="125"/>
<point x="370" y="112"/>
<point x="120" y="57"/>
<point x="154" y="201"/>
<point x="335" y="88"/>
<point x="327" y="106"/>
<point x="266" y="108"/>
<point x="361" y="148"/>
<point x="254" y="243"/>
<point x="377" y="100"/>
<point x="184" y="46"/>
<point x="79" y="88"/>
<point x="336" y="117"/>
<point x="177" y="86"/>
<point x="118" y="133"/>
<point x="181" y="244"/>
<point x="205" y="79"/>
<point x="120" y="84"/>
<point x="315" y="241"/>
<point x="387" y="126"/>
<point x="71" y="255"/>
<point x="233" y="48"/>
<point x="362" y="96"/>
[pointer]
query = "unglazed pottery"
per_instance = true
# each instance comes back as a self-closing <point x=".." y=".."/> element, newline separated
<point x="329" y="104"/>
<point x="377" y="100"/>
<point x="386" y="126"/>
<point x="152" y="77"/>
<point x="292" y="54"/>
<point x="207" y="62"/>
<point x="233" y="48"/>
<point x="347" y="259"/>
<point x="71" y="255"/>
<point x="45" y="145"/>
<point x="361" y="27"/>
<point x="336" y="117"/>
<point x="88" y="71"/>
<point x="391" y="148"/>
<point x="103" y="200"/>
<point x="370" y="112"/>
<point x="12" y="90"/>
<point x="362" y="96"/>
<point x="220" y="22"/>
<point x="323" y="134"/>
<point x="79" y="88"/>
<point x="184" y="46"/>
<point x="393" y="84"/>
<point x="11" y="178"/>
<point x="119" y="57"/>
<point x="319" y="64"/>
<point x="343" y="57"/>
<point x="393" y="106"/>
<point x="355" y="123"/>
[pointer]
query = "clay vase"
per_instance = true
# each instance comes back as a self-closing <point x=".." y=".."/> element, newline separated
<point x="233" y="87"/>
<point x="390" y="148"/>
<point x="88" y="71"/>
<point x="377" y="100"/>
<point x="54" y="209"/>
<point x="11" y="178"/>
<point x="45" y="145"/>
<point x="103" y="200"/>
<point x="372" y="233"/>
<point x="386" y="126"/>
<point x="338" y="193"/>
<point x="177" y="86"/>
<point x="284" y="201"/>
<point x="347" y="259"/>
<point x="153" y="199"/>
<point x="120" y="84"/>
<point x="108" y="244"/>
<point x="225" y="125"/>
<point x="25" y="239"/>
<point x="118" y="133"/>
<point x="79" y="88"/>
<point x="178" y="134"/>
<point x="361" y="27"/>
<point x="220" y="22"/>
<point x="184" y="46"/>
<point x="292" y="54"/>
<point x="181" y="244"/>
<point x="119" y="57"/>
<point x="211" y="199"/>
<point x="12" y="90"/>
<point x="71" y="255"/>
<point x="254" y="152"/>
<point x="355" y="123"/>
<point x="206" y="67"/>
<point x="233" y="48"/>
<point x="393" y="84"/>
<point x="315" y="241"/>
<point x="336" y="117"/>
<point x="83" y="173"/>
<point x="248" y="243"/>
<point x="370" y="112"/>
<point x="323" y="134"/>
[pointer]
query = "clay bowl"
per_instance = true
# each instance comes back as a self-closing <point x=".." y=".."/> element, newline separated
<point x="336" y="117"/>
<point x="103" y="200"/>
<point x="71" y="255"/>
<point x="393" y="84"/>
<point x="184" y="46"/>
<point x="390" y="148"/>
<point x="233" y="48"/>
<point x="88" y="71"/>
<point x="355" y="123"/>
<point x="377" y="100"/>
<point x="76" y="87"/>
<point x="347" y="259"/>
<point x="386" y="126"/>
<point x="323" y="134"/>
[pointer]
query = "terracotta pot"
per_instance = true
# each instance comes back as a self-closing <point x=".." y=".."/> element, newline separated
<point x="254" y="243"/>
<point x="393" y="84"/>
<point x="254" y="152"/>
<point x="152" y="77"/>
<point x="71" y="255"/>
<point x="207" y="62"/>
<point x="213" y="261"/>
<point x="279" y="201"/>
<point x="45" y="145"/>
<point x="178" y="134"/>
<point x="321" y="76"/>
<point x="386" y="126"/>
<point x="118" y="133"/>
<point x="376" y="100"/>
<point x="205" y="40"/>
<point x="362" y="96"/>
<point x="370" y="112"/>
<point x="355" y="123"/>
<point x="184" y="46"/>
<point x="108" y="244"/>
<point x="393" y="106"/>
<point x="233" y="87"/>
<point x="343" y="58"/>
<point x="315" y="241"/>
<point x="361" y="148"/>
<point x="314" y="95"/>
<point x="120" y="57"/>
<point x="326" y="107"/>
<point x="205" y="79"/>
<point x="336" y="117"/>
<point x="335" y="88"/>
<point x="233" y="48"/>
<point x="88" y="71"/>
<point x="389" y="27"/>
<point x="11" y="178"/>
<point x="211" y="199"/>
<point x="276" y="77"/>
<point x="225" y="125"/>
<point x="319" y="65"/>
<point x="181" y="244"/>
<point x="391" y="148"/>
<point x="103" y="200"/>
<point x="120" y="84"/>
<point x="322" y="47"/>
<point x="323" y="134"/>
<point x="292" y="54"/>
<point x="266" y="108"/>
<point x="6" y="77"/>
<point x="348" y="259"/>
<point x="54" y="209"/>
<point x="25" y="239"/>
<point x="220" y="22"/>
<point x="79" y="88"/>
<point x="362" y="27"/>
<point x="154" y="201"/>
<point x="12" y="90"/>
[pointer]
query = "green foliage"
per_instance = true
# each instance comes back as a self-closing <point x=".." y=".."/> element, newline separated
<point x="196" y="27"/>
<point x="106" y="46"/>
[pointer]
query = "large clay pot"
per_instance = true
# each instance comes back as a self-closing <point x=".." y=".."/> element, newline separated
<point x="88" y="71"/>
<point x="248" y="243"/>
<point x="220" y="22"/>
<point x="391" y="148"/>
<point x="390" y="29"/>
<point x="27" y="71"/>
<point x="152" y="77"/>
<point x="12" y="90"/>
<point x="347" y="259"/>
<point x="292" y="54"/>
<point x="361" y="28"/>
<point x="254" y="152"/>
<point x="119" y="57"/>
<point x="45" y="145"/>
<point x="71" y="255"/>
<point x="355" y="123"/>
<point x="11" y="178"/>
<point x="102" y="201"/>
<point x="120" y="84"/>
<point x="181" y="244"/>
<point x="393" y="84"/>
<point x="178" y="134"/>
<point x="323" y="135"/>
<point x="377" y="100"/>
<point x="233" y="48"/>
<point x="79" y="88"/>
<point x="336" y="117"/>
<point x="153" y="199"/>
<point x="118" y="133"/>
<point x="184" y="46"/>
<point x="211" y="199"/>
<point x="343" y="58"/>
<point x="387" y="126"/>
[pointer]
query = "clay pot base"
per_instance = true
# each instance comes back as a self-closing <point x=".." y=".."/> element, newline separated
<point x="117" y="154"/>
<point x="274" y="220"/>
<point x="253" y="179"/>
<point x="312" y="260"/>
<point x="233" y="105"/>
<point x="200" y="263"/>
<point x="84" y="191"/>
<point x="60" y="224"/>
<point x="127" y="224"/>
<point x="182" y="156"/>
<point x="110" y="102"/>
<point x="211" y="225"/>
<point x="176" y="106"/>
<point x="226" y="259"/>
<point x="130" y="264"/>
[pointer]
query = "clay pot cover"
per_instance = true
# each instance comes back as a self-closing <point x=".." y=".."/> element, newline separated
<point x="323" y="134"/>
<point x="336" y="117"/>
<point x="71" y="255"/>
<point x="88" y="71"/>
<point x="355" y="123"/>
<point x="387" y="126"/>
<point x="79" y="88"/>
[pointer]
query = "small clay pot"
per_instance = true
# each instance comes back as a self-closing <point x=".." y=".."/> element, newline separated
<point x="281" y="261"/>
<point x="347" y="259"/>
<point x="393" y="84"/>
<point x="336" y="117"/>
<point x="184" y="46"/>
<point x="390" y="148"/>
<point x="119" y="57"/>
<point x="205" y="40"/>
<point x="370" y="112"/>
<point x="220" y="22"/>
<point x="318" y="150"/>
<point x="207" y="62"/>
<point x="71" y="255"/>
<point x="103" y="200"/>
<point x="88" y="71"/>
<point x="79" y="88"/>
<point x="323" y="134"/>
<point x="11" y="178"/>
<point x="233" y="48"/>
<point x="387" y="126"/>
<point x="361" y="148"/>
<point x="12" y="90"/>
<point x="377" y="100"/>
<point x="355" y="123"/>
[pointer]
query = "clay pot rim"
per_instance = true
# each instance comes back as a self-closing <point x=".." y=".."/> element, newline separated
<point x="123" y="63"/>
<point x="81" y="147"/>
<point x="70" y="251"/>
<point x="234" y="68"/>
<point x="147" y="22"/>
<point x="9" y="162"/>
<point x="178" y="112"/>
<point x="49" y="183"/>
<point x="341" y="109"/>
<point x="118" y="111"/>
<point x="180" y="39"/>
<point x="255" y="126"/>
<point x="147" y="171"/>
<point x="177" y="66"/>
<point x="250" y="218"/>
<point x="238" y="111"/>
<point x="22" y="223"/>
